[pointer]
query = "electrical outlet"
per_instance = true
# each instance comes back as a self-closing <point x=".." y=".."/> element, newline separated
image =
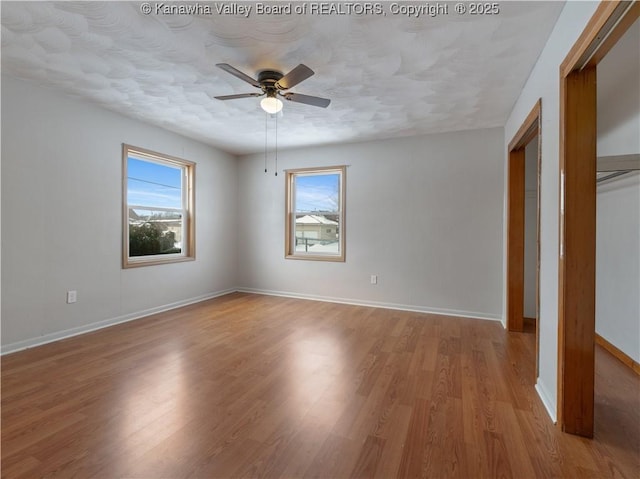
<point x="72" y="297"/>
<point x="374" y="279"/>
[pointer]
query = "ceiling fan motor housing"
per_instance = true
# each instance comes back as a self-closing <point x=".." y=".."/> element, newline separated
<point x="268" y="80"/>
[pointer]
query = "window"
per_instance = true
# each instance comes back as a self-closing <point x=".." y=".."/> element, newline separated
<point x="158" y="208"/>
<point x="315" y="214"/>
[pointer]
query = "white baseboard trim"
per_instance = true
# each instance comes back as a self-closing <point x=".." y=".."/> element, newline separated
<point x="549" y="403"/>
<point x="68" y="333"/>
<point x="375" y="304"/>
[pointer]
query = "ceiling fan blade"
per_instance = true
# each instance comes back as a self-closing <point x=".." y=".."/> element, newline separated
<point x="241" y="95"/>
<point x="295" y="76"/>
<point x="237" y="73"/>
<point x="307" y="99"/>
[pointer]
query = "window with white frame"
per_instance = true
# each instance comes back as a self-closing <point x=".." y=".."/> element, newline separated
<point x="158" y="208"/>
<point x="315" y="222"/>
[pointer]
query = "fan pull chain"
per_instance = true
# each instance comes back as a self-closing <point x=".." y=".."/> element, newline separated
<point x="276" y="145"/>
<point x="266" y="118"/>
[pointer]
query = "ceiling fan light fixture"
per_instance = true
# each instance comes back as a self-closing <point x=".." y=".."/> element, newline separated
<point x="271" y="105"/>
<point x="273" y="83"/>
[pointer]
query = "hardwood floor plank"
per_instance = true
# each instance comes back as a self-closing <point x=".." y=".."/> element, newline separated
<point x="516" y="445"/>
<point x="20" y="467"/>
<point x="474" y="423"/>
<point x="335" y="458"/>
<point x="369" y="458"/>
<point x="302" y="449"/>
<point x="411" y="463"/>
<point x="544" y="452"/>
<point x="258" y="386"/>
<point x="499" y="465"/>
<point x="391" y="456"/>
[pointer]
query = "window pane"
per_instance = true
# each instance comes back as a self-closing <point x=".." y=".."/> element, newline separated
<point x="154" y="196"/>
<point x="153" y="232"/>
<point x="154" y="184"/>
<point x="316" y="193"/>
<point x="317" y="233"/>
<point x="317" y="213"/>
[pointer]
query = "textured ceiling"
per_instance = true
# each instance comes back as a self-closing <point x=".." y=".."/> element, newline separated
<point x="387" y="75"/>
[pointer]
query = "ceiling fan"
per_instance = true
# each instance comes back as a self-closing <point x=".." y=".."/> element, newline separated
<point x="274" y="84"/>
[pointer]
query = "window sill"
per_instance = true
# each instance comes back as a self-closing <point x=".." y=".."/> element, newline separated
<point x="152" y="262"/>
<point x="311" y="257"/>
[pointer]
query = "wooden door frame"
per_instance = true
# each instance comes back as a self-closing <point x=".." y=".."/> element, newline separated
<point x="528" y="131"/>
<point x="577" y="213"/>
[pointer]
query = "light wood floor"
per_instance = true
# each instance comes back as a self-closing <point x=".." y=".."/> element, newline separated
<point x="258" y="386"/>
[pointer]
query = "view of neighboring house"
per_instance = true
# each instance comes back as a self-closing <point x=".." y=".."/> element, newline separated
<point x="316" y="227"/>
<point x="312" y="230"/>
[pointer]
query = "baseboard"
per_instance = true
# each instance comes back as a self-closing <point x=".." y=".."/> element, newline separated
<point x="618" y="354"/>
<point x="547" y="401"/>
<point x="376" y="304"/>
<point x="68" y="333"/>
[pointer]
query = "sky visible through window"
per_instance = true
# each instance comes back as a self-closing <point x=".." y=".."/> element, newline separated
<point x="317" y="193"/>
<point x="153" y="184"/>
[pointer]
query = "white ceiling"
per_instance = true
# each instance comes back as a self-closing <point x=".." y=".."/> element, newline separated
<point x="387" y="75"/>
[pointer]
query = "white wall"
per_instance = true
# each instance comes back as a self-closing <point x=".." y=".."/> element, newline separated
<point x="618" y="264"/>
<point x="619" y="96"/>
<point x="423" y="213"/>
<point x="61" y="218"/>
<point x="544" y="83"/>
<point x="618" y="218"/>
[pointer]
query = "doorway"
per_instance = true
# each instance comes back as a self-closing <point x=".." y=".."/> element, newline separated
<point x="577" y="249"/>
<point x="523" y="227"/>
